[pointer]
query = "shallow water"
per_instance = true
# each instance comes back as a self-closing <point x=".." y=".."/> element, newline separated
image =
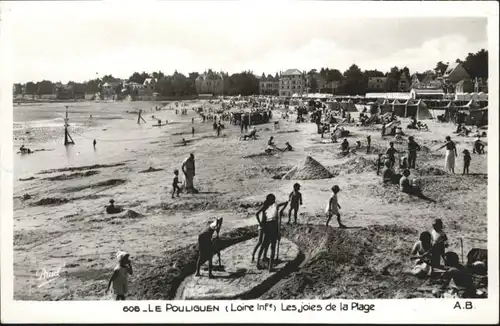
<point x="116" y="131"/>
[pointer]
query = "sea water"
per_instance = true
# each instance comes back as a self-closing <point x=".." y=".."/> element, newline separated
<point x="118" y="135"/>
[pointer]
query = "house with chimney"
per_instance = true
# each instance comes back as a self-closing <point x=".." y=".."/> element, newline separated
<point x="428" y="79"/>
<point x="108" y="89"/>
<point x="455" y="73"/>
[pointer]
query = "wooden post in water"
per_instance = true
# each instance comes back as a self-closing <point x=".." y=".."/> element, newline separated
<point x="139" y="117"/>
<point x="67" y="137"/>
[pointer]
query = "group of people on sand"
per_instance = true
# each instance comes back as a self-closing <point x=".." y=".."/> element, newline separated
<point x="430" y="258"/>
<point x="269" y="219"/>
<point x="452" y="153"/>
<point x="182" y="111"/>
<point x="271" y="146"/>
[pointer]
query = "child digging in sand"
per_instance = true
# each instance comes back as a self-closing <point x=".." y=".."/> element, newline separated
<point x="120" y="276"/>
<point x="175" y="184"/>
<point x="206" y="247"/>
<point x="333" y="207"/>
<point x="271" y="227"/>
<point x="295" y="199"/>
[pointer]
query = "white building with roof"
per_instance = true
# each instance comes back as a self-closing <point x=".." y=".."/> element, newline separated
<point x="292" y="81"/>
<point x="427" y="94"/>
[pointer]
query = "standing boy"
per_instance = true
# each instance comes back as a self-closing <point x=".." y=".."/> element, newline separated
<point x="175" y="184"/>
<point x="379" y="163"/>
<point x="391" y="154"/>
<point x="467" y="159"/>
<point x="413" y="147"/>
<point x="295" y="199"/>
<point x="333" y="207"/>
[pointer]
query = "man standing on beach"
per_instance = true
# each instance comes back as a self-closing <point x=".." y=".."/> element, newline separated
<point x="413" y="147"/>
<point x="188" y="167"/>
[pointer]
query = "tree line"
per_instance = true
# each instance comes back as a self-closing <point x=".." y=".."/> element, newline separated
<point x="353" y="81"/>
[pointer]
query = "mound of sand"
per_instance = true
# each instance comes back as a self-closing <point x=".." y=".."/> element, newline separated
<point x="430" y="170"/>
<point x="348" y="264"/>
<point x="309" y="169"/>
<point x="75" y="175"/>
<point x="105" y="183"/>
<point x="128" y="214"/>
<point x="287" y="131"/>
<point x="341" y="154"/>
<point x="264" y="154"/>
<point x="50" y="201"/>
<point x="357" y="164"/>
<point x="151" y="169"/>
<point x="27" y="179"/>
<point x="81" y="168"/>
<point x="239" y="277"/>
<point x="162" y="278"/>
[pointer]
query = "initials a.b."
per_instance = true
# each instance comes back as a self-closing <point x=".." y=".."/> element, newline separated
<point x="466" y="305"/>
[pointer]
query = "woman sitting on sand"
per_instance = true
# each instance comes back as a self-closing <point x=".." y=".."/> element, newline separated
<point x="421" y="255"/>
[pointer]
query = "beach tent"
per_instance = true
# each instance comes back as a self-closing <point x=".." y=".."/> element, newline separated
<point x="417" y="109"/>
<point x="349" y="106"/>
<point x="398" y="108"/>
<point x="478" y="117"/>
<point x="333" y="105"/>
<point x="385" y="107"/>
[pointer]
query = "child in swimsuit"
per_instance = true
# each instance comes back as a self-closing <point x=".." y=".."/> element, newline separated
<point x="295" y="199"/>
<point x="119" y="279"/>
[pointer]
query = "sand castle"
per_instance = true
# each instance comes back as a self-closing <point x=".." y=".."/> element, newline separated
<point x="309" y="169"/>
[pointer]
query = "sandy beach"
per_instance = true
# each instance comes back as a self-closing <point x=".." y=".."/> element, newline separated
<point x="60" y="220"/>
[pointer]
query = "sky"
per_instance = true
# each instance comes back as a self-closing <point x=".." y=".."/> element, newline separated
<point x="63" y="41"/>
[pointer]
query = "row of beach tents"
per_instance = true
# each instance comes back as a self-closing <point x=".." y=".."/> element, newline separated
<point x="413" y="108"/>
